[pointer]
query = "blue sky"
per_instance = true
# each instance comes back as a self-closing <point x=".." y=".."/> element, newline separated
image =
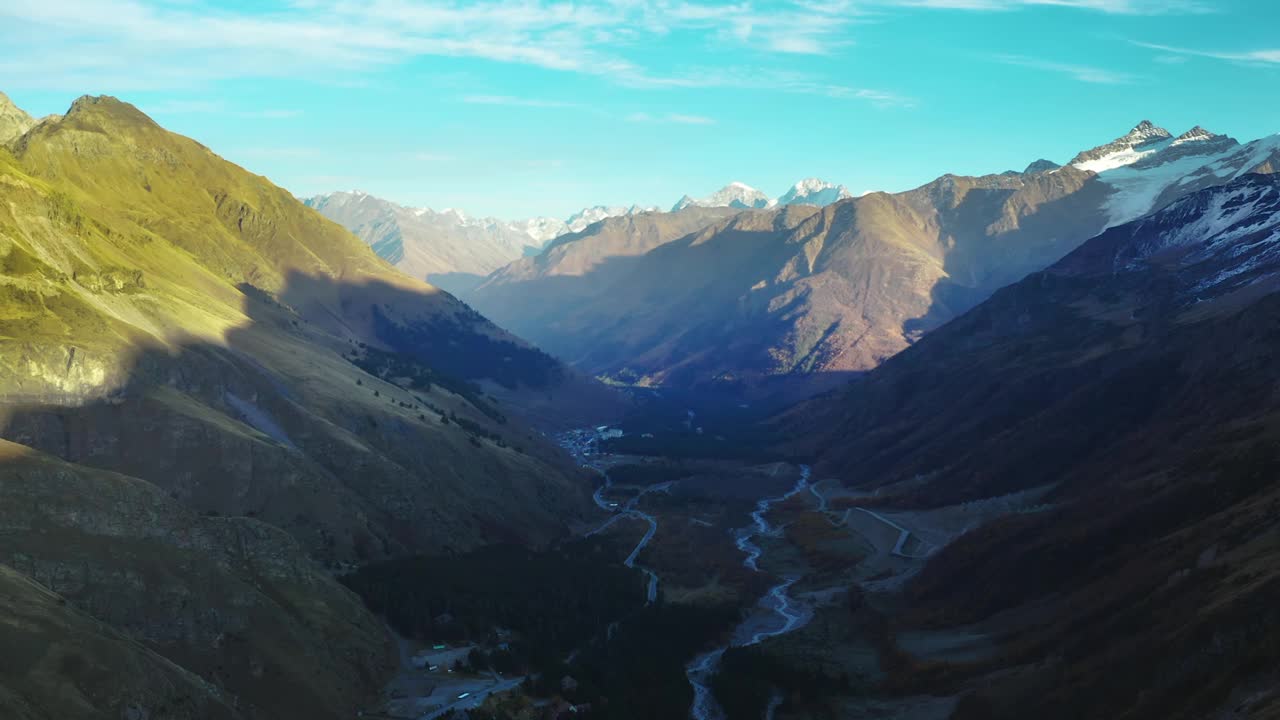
<point x="516" y="108"/>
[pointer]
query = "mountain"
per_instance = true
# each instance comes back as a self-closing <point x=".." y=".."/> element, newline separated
<point x="1145" y="138"/>
<point x="559" y="292"/>
<point x="190" y="341"/>
<point x="826" y="292"/>
<point x="448" y="248"/>
<point x="734" y="195"/>
<point x="1129" y="389"/>
<point x="1149" y="168"/>
<point x="13" y="121"/>
<point x="812" y="191"/>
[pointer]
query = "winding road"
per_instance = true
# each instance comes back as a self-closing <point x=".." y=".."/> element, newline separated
<point x="628" y="510"/>
<point x="903" y="535"/>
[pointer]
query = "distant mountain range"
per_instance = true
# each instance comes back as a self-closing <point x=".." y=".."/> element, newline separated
<point x="786" y="290"/>
<point x="448" y="248"/>
<point x="454" y="250"/>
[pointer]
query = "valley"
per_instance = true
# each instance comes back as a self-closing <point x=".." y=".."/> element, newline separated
<point x="798" y="575"/>
<point x="988" y="446"/>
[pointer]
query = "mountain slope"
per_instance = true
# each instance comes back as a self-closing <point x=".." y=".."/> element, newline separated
<point x="1133" y="383"/>
<point x="854" y="282"/>
<point x="53" y="657"/>
<point x="231" y="600"/>
<point x="197" y="343"/>
<point x="547" y="293"/>
<point x="148" y="279"/>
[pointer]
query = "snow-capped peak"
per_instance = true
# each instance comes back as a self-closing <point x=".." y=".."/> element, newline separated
<point x="735" y="194"/>
<point x="1143" y="140"/>
<point x="1146" y="131"/>
<point x="814" y="191"/>
<point x="1195" y="134"/>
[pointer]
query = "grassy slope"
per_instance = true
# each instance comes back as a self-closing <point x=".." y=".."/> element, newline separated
<point x="171" y="317"/>
<point x="136" y="259"/>
<point x="233" y="600"/>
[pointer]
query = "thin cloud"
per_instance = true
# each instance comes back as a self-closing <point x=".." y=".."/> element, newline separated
<point x="513" y="101"/>
<point x="1083" y="73"/>
<point x="1248" y="57"/>
<point x="156" y="44"/>
<point x="675" y="118"/>
<point x="280" y="152"/>
<point x="427" y="156"/>
<point x="1111" y="7"/>
<point x="213" y="107"/>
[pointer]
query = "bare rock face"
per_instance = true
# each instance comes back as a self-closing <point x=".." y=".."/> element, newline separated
<point x="13" y="121"/>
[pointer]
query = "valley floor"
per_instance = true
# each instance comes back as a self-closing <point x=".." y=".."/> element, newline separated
<point x="812" y="576"/>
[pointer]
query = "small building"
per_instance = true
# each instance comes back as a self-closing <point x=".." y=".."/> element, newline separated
<point x="568" y="684"/>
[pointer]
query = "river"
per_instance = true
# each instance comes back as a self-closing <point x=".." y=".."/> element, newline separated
<point x="777" y="613"/>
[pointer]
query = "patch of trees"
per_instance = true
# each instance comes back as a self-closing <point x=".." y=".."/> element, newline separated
<point x="636" y="671"/>
<point x="742" y="444"/>
<point x="389" y="366"/>
<point x="457" y="349"/>
<point x="553" y="601"/>
<point x="654" y="473"/>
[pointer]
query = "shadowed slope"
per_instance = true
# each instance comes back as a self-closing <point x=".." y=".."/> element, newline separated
<point x="1145" y="586"/>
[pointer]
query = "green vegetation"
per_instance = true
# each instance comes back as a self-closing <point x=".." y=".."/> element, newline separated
<point x="392" y="367"/>
<point x="653" y="473"/>
<point x="639" y="673"/>
<point x="468" y="354"/>
<point x="742" y="445"/>
<point x="553" y="601"/>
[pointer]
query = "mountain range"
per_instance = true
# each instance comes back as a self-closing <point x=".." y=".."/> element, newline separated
<point x="1130" y="389"/>
<point x="455" y="251"/>
<point x="448" y="248"/>
<point x="824" y="292"/>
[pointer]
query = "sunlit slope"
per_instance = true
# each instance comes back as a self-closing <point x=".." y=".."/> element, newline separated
<point x="169" y="315"/>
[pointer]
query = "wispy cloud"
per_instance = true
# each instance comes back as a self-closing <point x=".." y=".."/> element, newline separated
<point x="517" y="101"/>
<point x="427" y="156"/>
<point x="161" y="44"/>
<point x="676" y="118"/>
<point x="1083" y="73"/>
<point x="214" y="107"/>
<point x="1269" y="56"/>
<point x="280" y="152"/>
<point x="1114" y="7"/>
